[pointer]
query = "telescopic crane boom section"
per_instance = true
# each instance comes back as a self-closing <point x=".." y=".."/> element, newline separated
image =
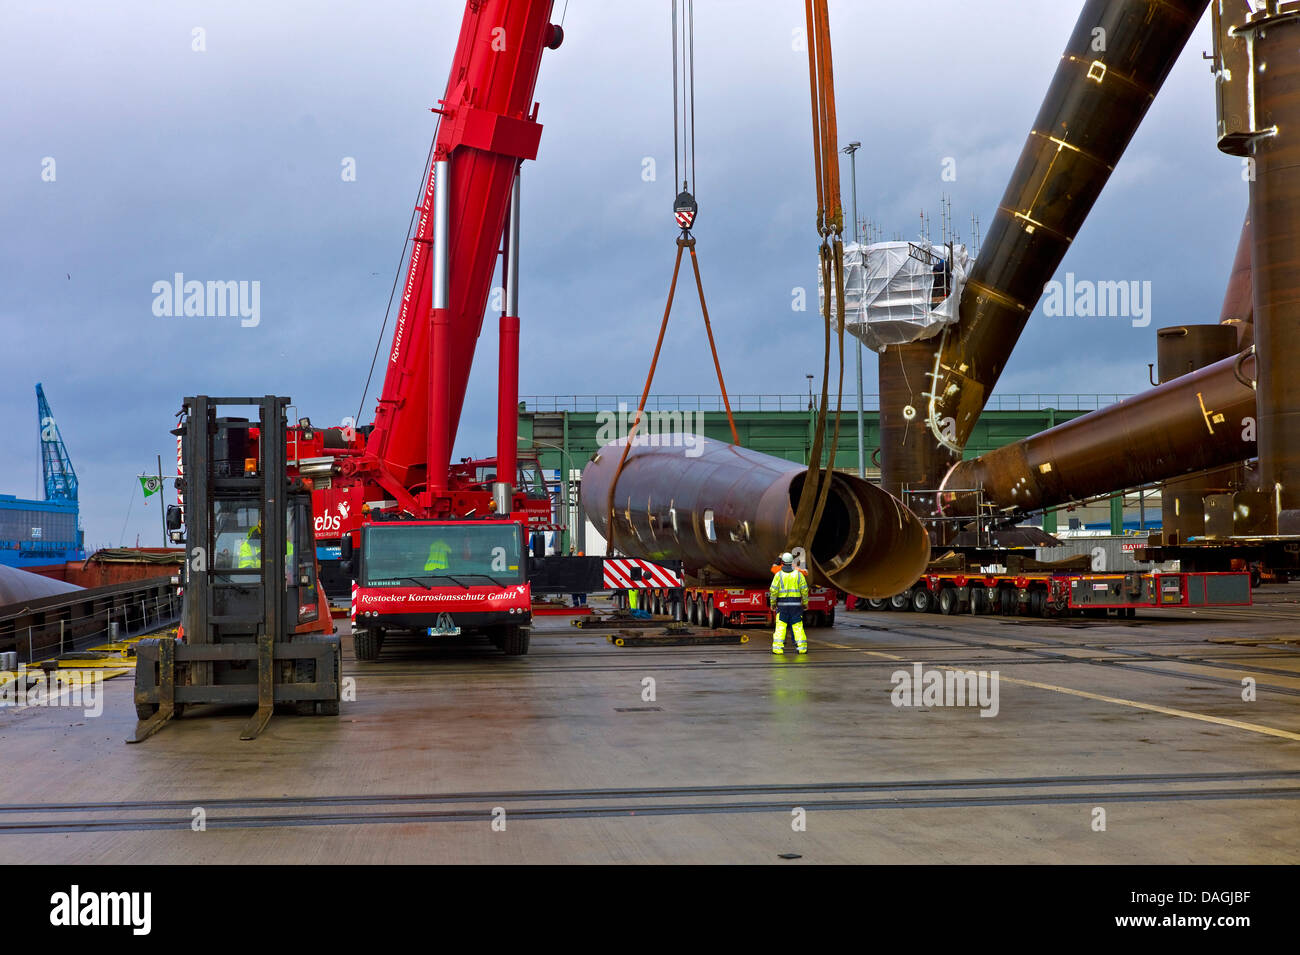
<point x="488" y="126"/>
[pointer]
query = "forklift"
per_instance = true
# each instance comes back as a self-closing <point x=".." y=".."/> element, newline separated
<point x="256" y="626"/>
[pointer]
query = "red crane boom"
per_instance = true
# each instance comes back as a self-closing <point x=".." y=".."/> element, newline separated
<point x="488" y="127"/>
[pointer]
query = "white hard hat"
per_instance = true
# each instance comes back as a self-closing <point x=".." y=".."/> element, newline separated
<point x="787" y="558"/>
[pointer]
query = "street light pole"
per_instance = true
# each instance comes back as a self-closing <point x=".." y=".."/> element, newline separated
<point x="851" y="150"/>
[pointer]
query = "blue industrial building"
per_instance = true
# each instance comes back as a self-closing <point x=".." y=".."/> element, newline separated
<point x="39" y="533"/>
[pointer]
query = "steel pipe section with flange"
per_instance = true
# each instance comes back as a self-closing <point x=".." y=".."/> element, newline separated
<point x="726" y="511"/>
<point x="1180" y="350"/>
<point x="1194" y="422"/>
<point x="1114" y="63"/>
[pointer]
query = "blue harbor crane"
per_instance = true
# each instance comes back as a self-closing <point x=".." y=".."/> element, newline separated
<point x="56" y="466"/>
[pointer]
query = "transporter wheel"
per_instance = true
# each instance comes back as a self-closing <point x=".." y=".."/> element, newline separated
<point x="877" y="603"/>
<point x="948" y="601"/>
<point x="366" y="645"/>
<point x="901" y="601"/>
<point x="689" y="613"/>
<point x="1007" y="601"/>
<point x="979" y="600"/>
<point x="922" y="599"/>
<point x="1038" y="603"/>
<point x="828" y="619"/>
<point x="515" y="643"/>
<point x="715" y="616"/>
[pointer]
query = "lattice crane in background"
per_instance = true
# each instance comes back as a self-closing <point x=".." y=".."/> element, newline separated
<point x="56" y="465"/>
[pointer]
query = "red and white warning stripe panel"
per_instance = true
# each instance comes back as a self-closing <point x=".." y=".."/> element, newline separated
<point x="180" y="472"/>
<point x="618" y="574"/>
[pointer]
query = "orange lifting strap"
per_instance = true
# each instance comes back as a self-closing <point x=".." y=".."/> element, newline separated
<point x="830" y="226"/>
<point x="684" y="241"/>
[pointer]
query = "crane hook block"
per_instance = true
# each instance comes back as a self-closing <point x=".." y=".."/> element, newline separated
<point x="684" y="208"/>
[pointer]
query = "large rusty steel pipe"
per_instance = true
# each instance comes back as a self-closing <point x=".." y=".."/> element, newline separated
<point x="1180" y="350"/>
<point x="1238" y="299"/>
<point x="1114" y="63"/>
<point x="727" y="510"/>
<point x="1274" y="36"/>
<point x="1195" y="422"/>
<point x="910" y="458"/>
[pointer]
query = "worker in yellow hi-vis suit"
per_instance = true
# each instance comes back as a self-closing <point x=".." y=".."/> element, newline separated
<point x="439" y="556"/>
<point x="249" y="555"/>
<point x="788" y="597"/>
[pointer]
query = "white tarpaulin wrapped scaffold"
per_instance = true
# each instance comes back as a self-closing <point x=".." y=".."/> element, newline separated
<point x="896" y="292"/>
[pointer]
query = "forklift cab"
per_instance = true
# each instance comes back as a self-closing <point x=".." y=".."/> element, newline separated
<point x="236" y="549"/>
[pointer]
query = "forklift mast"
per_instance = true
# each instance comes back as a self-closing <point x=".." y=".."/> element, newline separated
<point x="237" y="470"/>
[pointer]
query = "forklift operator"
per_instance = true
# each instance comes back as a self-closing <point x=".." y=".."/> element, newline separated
<point x="250" y="549"/>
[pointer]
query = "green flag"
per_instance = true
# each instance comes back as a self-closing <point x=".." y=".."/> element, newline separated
<point x="151" y="483"/>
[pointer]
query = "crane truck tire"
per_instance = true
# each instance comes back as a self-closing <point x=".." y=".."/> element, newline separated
<point x="515" y="641"/>
<point x="365" y="645"/>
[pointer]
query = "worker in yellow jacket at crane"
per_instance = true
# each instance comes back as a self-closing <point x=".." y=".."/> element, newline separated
<point x="439" y="556"/>
<point x="788" y="597"/>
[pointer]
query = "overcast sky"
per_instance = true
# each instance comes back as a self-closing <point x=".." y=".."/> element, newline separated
<point x="225" y="164"/>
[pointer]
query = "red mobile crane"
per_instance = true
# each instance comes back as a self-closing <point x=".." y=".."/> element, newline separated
<point x="389" y="493"/>
<point x="425" y="538"/>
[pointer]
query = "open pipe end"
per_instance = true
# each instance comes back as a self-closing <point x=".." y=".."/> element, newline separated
<point x="867" y="543"/>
